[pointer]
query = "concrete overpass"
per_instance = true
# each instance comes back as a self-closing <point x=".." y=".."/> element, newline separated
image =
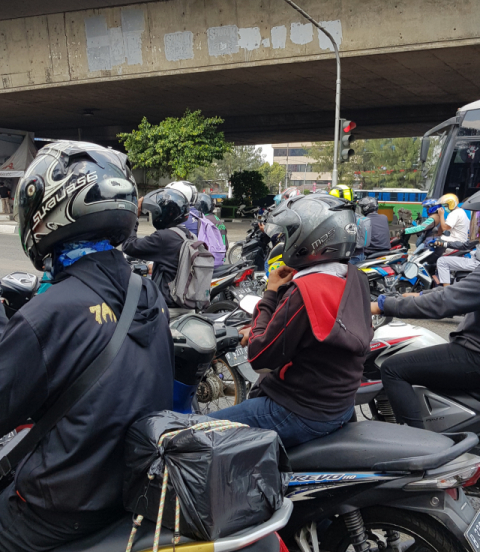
<point x="100" y="65"/>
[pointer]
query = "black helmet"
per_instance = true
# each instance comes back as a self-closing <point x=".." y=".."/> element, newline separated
<point x="368" y="205"/>
<point x="169" y="207"/>
<point x="318" y="228"/>
<point x="74" y="191"/>
<point x="204" y="204"/>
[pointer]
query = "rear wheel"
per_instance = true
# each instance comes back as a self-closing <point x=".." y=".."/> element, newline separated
<point x="387" y="527"/>
<point x="222" y="306"/>
<point x="221" y="387"/>
<point x="235" y="253"/>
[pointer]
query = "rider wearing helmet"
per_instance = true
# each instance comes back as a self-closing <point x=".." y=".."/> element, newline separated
<point x="342" y="191"/>
<point x="312" y="329"/>
<point x="190" y="192"/>
<point x="456" y="222"/>
<point x="205" y="207"/>
<point x="75" y="204"/>
<point x="168" y="208"/>
<point x="454" y="366"/>
<point x="380" y="233"/>
<point x="429" y="226"/>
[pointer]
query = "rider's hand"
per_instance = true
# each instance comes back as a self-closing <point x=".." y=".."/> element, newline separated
<point x="410" y="294"/>
<point x="375" y="309"/>
<point x="280" y="276"/>
<point x="261" y="226"/>
<point x="245" y="333"/>
<point x="441" y="211"/>
<point x="150" y="268"/>
<point x="140" y="202"/>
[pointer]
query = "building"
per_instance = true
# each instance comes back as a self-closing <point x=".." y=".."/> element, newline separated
<point x="300" y="166"/>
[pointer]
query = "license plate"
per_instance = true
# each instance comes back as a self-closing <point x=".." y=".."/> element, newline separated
<point x="472" y="534"/>
<point x="242" y="292"/>
<point x="389" y="280"/>
<point x="238" y="357"/>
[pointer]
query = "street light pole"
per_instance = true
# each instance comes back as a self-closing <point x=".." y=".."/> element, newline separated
<point x="338" y="86"/>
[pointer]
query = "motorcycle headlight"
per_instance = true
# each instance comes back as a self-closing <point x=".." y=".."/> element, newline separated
<point x="199" y="332"/>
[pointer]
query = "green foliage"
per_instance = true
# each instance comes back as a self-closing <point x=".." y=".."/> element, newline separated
<point x="239" y="158"/>
<point x="306" y="192"/>
<point x="385" y="163"/>
<point x="176" y="146"/>
<point x="273" y="175"/>
<point x="248" y="186"/>
<point x="230" y="202"/>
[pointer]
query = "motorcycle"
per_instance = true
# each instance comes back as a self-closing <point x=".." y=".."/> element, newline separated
<point x="244" y="211"/>
<point x="16" y="289"/>
<point x="367" y="485"/>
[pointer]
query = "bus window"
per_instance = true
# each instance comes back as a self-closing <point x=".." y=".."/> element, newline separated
<point x="463" y="175"/>
<point x="471" y="124"/>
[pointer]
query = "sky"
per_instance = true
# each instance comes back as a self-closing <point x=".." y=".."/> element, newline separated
<point x="267" y="150"/>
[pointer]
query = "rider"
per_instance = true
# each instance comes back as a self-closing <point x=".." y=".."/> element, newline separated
<point x="429" y="226"/>
<point x="75" y="204"/>
<point x="380" y="234"/>
<point x="312" y="329"/>
<point x="453" y="366"/>
<point x="205" y="206"/>
<point x="345" y="192"/>
<point x="190" y="192"/>
<point x="168" y="208"/>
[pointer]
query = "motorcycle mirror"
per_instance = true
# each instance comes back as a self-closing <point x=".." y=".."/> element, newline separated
<point x="249" y="303"/>
<point x="410" y="271"/>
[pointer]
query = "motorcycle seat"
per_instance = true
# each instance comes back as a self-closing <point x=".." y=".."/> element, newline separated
<point x="371" y="446"/>
<point x="222" y="270"/>
<point x="114" y="538"/>
<point x="380" y="254"/>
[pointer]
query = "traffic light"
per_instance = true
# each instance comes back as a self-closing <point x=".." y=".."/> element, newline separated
<point x="346" y="138"/>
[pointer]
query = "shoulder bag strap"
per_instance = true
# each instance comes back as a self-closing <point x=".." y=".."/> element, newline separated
<point x="81" y="385"/>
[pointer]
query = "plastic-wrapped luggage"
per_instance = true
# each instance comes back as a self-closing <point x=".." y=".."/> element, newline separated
<point x="226" y="478"/>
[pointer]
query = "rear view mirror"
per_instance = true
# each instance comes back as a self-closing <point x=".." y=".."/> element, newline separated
<point x="249" y="303"/>
<point x="424" y="149"/>
<point x="410" y="271"/>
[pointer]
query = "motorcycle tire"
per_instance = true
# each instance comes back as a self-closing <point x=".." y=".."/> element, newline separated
<point x="219" y="307"/>
<point x="429" y="534"/>
<point x="235" y="253"/>
<point x="234" y="391"/>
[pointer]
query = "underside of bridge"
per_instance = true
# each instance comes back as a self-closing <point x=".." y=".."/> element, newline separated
<point x="392" y="85"/>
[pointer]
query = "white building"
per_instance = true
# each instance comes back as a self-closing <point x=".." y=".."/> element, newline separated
<point x="300" y="170"/>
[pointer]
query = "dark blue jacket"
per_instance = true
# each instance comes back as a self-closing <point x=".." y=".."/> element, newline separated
<point x="380" y="239"/>
<point x="79" y="465"/>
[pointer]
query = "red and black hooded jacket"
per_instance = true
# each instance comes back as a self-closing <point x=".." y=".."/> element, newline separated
<point x="314" y="334"/>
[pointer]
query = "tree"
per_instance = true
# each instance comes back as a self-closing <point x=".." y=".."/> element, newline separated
<point x="248" y="186"/>
<point x="384" y="163"/>
<point x="273" y="175"/>
<point x="176" y="146"/>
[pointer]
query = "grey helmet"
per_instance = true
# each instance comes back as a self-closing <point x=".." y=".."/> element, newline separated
<point x="318" y="229"/>
<point x="74" y="191"/>
<point x="368" y="205"/>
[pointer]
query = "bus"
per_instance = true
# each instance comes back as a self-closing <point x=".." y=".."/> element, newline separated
<point x="395" y="195"/>
<point x="450" y="155"/>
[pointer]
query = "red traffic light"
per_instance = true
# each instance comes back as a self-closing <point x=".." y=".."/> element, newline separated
<point x="348" y="126"/>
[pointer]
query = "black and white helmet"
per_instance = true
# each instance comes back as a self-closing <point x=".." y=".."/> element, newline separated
<point x="318" y="229"/>
<point x="74" y="191"/>
<point x="368" y="205"/>
<point x="168" y="208"/>
<point x="187" y="189"/>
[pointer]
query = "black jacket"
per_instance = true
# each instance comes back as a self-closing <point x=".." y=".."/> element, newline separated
<point x="461" y="298"/>
<point x="163" y="248"/>
<point x="380" y="238"/>
<point x="315" y="339"/>
<point x="79" y="465"/>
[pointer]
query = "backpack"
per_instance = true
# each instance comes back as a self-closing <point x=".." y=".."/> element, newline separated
<point x="212" y="237"/>
<point x="191" y="287"/>
<point x="364" y="231"/>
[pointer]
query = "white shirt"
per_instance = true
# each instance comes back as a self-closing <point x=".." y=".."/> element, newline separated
<point x="459" y="224"/>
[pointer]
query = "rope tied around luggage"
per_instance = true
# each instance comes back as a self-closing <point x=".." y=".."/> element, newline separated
<point x="217" y="425"/>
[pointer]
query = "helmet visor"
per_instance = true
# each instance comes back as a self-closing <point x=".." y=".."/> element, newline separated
<point x="289" y="221"/>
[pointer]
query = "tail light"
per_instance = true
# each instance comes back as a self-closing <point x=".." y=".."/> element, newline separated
<point x="283" y="546"/>
<point x="243" y="276"/>
<point x="465" y="477"/>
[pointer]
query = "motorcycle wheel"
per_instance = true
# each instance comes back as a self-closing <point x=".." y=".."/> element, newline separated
<point x="424" y="533"/>
<point x="222" y="306"/>
<point x="221" y="387"/>
<point x="235" y="253"/>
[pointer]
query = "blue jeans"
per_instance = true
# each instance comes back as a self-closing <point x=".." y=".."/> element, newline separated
<point x="267" y="414"/>
<point x="357" y="259"/>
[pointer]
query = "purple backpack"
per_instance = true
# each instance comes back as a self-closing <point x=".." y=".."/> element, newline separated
<point x="211" y="235"/>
